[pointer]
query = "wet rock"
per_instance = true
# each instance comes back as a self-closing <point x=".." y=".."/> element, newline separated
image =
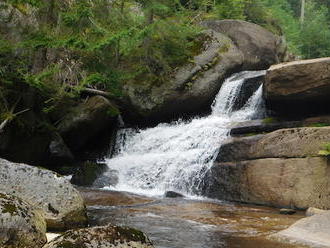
<point x="105" y="236"/>
<point x="237" y="149"/>
<point x="21" y="225"/>
<point x="108" y="178"/>
<point x="249" y="87"/>
<point x="59" y="203"/>
<point x="260" y="47"/>
<point x="312" y="231"/>
<point x="313" y="211"/>
<point x="298" y="88"/>
<point x="87" y="173"/>
<point x="281" y="182"/>
<point x="262" y="126"/>
<point x="100" y="197"/>
<point x="173" y="194"/>
<point x="287" y="211"/>
<point x="87" y="121"/>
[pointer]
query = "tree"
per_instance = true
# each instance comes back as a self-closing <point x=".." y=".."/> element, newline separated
<point x="302" y="12"/>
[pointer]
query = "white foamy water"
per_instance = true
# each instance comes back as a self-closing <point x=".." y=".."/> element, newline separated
<point x="177" y="156"/>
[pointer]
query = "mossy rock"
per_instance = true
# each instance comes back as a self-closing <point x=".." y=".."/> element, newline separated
<point x="56" y="199"/>
<point x="21" y="225"/>
<point x="192" y="87"/>
<point x="103" y="236"/>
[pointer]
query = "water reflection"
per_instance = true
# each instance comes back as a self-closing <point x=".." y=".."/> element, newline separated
<point x="181" y="223"/>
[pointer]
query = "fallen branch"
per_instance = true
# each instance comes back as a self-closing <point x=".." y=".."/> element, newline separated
<point x="3" y="125"/>
<point x="12" y="116"/>
<point x="97" y="92"/>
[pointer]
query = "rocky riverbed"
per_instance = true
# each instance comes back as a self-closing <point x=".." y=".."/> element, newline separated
<point x="180" y="222"/>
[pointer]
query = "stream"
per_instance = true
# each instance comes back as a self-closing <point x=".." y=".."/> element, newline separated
<point x="186" y="223"/>
<point x="177" y="157"/>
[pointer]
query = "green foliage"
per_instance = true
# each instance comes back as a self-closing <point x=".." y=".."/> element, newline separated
<point x="36" y="3"/>
<point x="269" y="120"/>
<point x="109" y="82"/>
<point x="231" y="9"/>
<point x="319" y="125"/>
<point x="42" y="80"/>
<point x="325" y="151"/>
<point x="315" y="33"/>
<point x="104" y="44"/>
<point x="304" y="39"/>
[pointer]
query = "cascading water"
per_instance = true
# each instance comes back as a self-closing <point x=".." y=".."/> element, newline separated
<point x="176" y="156"/>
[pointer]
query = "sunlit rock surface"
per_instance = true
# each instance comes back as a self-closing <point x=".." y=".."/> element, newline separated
<point x="21" y="225"/>
<point x="59" y="202"/>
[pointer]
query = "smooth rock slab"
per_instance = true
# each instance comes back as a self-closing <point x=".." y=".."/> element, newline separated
<point x="59" y="202"/>
<point x="314" y="231"/>
<point x="102" y="237"/>
<point x="289" y="183"/>
<point x="21" y="226"/>
<point x="284" y="143"/>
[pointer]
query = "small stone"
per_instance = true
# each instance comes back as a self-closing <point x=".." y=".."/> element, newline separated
<point x="313" y="211"/>
<point x="287" y="211"/>
<point x="173" y="194"/>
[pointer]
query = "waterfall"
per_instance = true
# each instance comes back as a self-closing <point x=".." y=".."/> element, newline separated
<point x="177" y="156"/>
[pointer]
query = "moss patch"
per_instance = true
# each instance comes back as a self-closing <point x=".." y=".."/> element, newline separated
<point x="321" y="124"/>
<point x="69" y="244"/>
<point x="10" y="208"/>
<point x="269" y="120"/>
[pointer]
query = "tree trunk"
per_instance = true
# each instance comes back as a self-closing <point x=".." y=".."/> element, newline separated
<point x="302" y="12"/>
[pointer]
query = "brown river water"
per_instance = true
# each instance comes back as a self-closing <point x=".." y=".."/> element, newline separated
<point x="186" y="223"/>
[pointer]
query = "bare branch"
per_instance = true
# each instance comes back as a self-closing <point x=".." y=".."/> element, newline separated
<point x="97" y="92"/>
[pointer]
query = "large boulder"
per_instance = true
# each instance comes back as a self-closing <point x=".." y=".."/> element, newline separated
<point x="230" y="46"/>
<point x="299" y="88"/>
<point x="192" y="88"/>
<point x="312" y="231"/>
<point x="103" y="236"/>
<point x="21" y="226"/>
<point x="260" y="47"/>
<point x="290" y="183"/>
<point x="88" y="121"/>
<point x="58" y="201"/>
<point x="280" y="169"/>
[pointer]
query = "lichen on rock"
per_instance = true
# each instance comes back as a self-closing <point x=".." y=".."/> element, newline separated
<point x="58" y="201"/>
<point x="21" y="225"/>
<point x="102" y="237"/>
